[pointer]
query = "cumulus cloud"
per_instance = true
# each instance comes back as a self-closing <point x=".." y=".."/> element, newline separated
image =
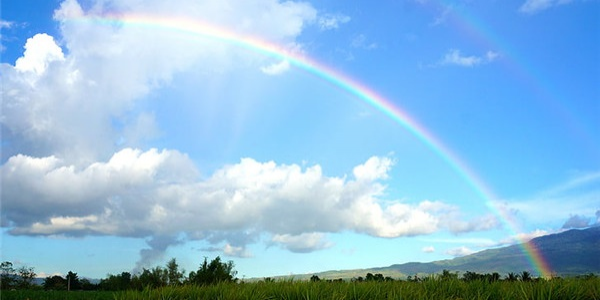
<point x="40" y="51"/>
<point x="100" y="73"/>
<point x="161" y="194"/>
<point x="332" y="21"/>
<point x="460" y="251"/>
<point x="533" y="6"/>
<point x="454" y="57"/>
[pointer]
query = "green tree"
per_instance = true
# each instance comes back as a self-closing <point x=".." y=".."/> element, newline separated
<point x="7" y="275"/>
<point x="213" y="272"/>
<point x="153" y="278"/>
<point x="73" y="282"/>
<point x="55" y="283"/>
<point x="315" y="278"/>
<point x="87" y="285"/>
<point x="175" y="277"/>
<point x="25" y="276"/>
<point x="118" y="282"/>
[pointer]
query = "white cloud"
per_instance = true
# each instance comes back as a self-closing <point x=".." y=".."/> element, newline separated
<point x="276" y="68"/>
<point x="301" y="243"/>
<point x="236" y="251"/>
<point x="40" y="51"/>
<point x="460" y="251"/>
<point x="533" y="6"/>
<point x="454" y="57"/>
<point x="159" y="193"/>
<point x="428" y="249"/>
<point x="375" y="168"/>
<point x="332" y="21"/>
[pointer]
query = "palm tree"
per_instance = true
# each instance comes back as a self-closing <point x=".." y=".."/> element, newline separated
<point x="512" y="276"/>
<point x="525" y="276"/>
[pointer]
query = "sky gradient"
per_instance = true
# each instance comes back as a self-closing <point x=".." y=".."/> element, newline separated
<point x="293" y="137"/>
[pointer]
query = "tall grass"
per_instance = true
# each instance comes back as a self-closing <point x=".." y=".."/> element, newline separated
<point x="431" y="289"/>
<point x="572" y="288"/>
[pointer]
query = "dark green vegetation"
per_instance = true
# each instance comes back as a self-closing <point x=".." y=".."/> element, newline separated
<point x="55" y="295"/>
<point x="444" y="286"/>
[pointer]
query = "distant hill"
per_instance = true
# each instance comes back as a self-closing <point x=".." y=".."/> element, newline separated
<point x="572" y="252"/>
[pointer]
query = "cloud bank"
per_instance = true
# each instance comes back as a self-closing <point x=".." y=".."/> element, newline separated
<point x="160" y="193"/>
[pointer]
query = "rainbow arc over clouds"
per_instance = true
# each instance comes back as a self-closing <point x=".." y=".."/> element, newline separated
<point x="200" y="29"/>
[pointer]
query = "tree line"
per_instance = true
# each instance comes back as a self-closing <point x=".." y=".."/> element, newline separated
<point x="211" y="272"/>
<point x="208" y="273"/>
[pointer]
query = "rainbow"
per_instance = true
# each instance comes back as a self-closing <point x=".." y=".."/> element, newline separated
<point x="205" y="30"/>
<point x="477" y="30"/>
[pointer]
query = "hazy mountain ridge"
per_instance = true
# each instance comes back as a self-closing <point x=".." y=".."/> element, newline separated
<point x="571" y="252"/>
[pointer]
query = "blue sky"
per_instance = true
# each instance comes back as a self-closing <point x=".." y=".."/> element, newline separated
<point x="124" y="145"/>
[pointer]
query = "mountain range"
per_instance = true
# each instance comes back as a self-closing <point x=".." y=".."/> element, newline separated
<point x="568" y="253"/>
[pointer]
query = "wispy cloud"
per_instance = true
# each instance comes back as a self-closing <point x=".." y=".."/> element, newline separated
<point x="522" y="237"/>
<point x="442" y="17"/>
<point x="276" y="68"/>
<point x="361" y="41"/>
<point x="332" y="21"/>
<point x="456" y="58"/>
<point x="577" y="196"/>
<point x="534" y="6"/>
<point x="428" y="249"/>
<point x="6" y="24"/>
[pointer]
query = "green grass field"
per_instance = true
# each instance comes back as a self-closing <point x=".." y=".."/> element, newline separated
<point x="585" y="289"/>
